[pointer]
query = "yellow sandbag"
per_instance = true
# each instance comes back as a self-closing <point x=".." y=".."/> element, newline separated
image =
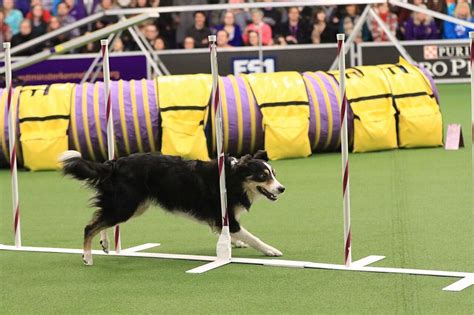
<point x="284" y="105"/>
<point x="368" y="93"/>
<point x="419" y="118"/>
<point x="183" y="102"/>
<point x="44" y="120"/>
<point x="4" y="124"/>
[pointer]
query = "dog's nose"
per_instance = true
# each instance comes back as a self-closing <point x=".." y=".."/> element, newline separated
<point x="281" y="189"/>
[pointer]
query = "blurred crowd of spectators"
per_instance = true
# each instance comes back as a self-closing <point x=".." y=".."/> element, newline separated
<point x="22" y="20"/>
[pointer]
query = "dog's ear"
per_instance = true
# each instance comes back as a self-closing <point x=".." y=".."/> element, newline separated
<point x="261" y="155"/>
<point x="244" y="160"/>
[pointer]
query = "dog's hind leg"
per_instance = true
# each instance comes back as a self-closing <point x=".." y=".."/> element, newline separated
<point x="90" y="231"/>
<point x="104" y="240"/>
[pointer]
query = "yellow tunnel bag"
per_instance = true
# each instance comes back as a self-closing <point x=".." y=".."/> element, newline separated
<point x="420" y="123"/>
<point x="284" y="105"/>
<point x="375" y="131"/>
<point x="44" y="121"/>
<point x="183" y="101"/>
<point x="369" y="96"/>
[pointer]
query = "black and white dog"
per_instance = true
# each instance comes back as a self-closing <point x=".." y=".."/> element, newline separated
<point x="125" y="188"/>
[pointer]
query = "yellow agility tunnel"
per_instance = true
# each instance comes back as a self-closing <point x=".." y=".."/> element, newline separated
<point x="287" y="113"/>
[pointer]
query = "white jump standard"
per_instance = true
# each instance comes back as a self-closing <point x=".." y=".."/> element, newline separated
<point x="104" y="239"/>
<point x="12" y="144"/>
<point x="223" y="257"/>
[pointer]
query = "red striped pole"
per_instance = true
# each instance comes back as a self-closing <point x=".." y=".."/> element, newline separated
<point x="110" y="123"/>
<point x="471" y="39"/>
<point x="345" y="151"/>
<point x="223" y="250"/>
<point x="12" y="145"/>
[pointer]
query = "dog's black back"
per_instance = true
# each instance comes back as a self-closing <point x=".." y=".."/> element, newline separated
<point x="175" y="184"/>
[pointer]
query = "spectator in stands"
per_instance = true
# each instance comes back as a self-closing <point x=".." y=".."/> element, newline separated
<point x="25" y="34"/>
<point x="349" y="19"/>
<point x="253" y="38"/>
<point x="23" y="5"/>
<point x="13" y="17"/>
<point x="184" y="20"/>
<point x="159" y="44"/>
<point x="142" y="4"/>
<point x="166" y="23"/>
<point x="232" y="29"/>
<point x="45" y="14"/>
<point x="39" y="25"/>
<point x="189" y="43"/>
<point x="5" y="33"/>
<point x="199" y="31"/>
<point x="454" y="31"/>
<point x="404" y="14"/>
<point x="92" y="47"/>
<point x="420" y="26"/>
<point x="323" y="32"/>
<point x="53" y="25"/>
<point x="390" y="20"/>
<point x="257" y="25"/>
<point x="295" y="31"/>
<point x="77" y="9"/>
<point x="222" y="39"/>
<point x="118" y="45"/>
<point x="272" y="16"/>
<point x="108" y="19"/>
<point x="151" y="33"/>
<point x="65" y="18"/>
<point x="241" y="15"/>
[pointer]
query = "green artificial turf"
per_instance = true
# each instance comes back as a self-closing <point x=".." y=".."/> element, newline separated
<point x="413" y="206"/>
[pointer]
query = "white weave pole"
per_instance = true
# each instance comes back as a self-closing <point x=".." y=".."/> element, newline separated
<point x="471" y="39"/>
<point x="344" y="151"/>
<point x="223" y="250"/>
<point x="260" y="48"/>
<point x="12" y="145"/>
<point x="110" y="123"/>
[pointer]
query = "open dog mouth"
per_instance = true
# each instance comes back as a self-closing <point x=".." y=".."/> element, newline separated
<point x="266" y="193"/>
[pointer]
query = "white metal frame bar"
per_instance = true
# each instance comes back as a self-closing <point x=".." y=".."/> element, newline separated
<point x="391" y="36"/>
<point x="350" y="40"/>
<point x="67" y="28"/>
<point x="80" y="41"/>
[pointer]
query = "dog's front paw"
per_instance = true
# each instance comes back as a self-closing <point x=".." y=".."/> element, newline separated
<point x="240" y="244"/>
<point x="271" y="251"/>
<point x="105" y="245"/>
<point x="87" y="259"/>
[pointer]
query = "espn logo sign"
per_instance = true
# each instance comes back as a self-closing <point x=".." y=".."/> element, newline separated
<point x="252" y="65"/>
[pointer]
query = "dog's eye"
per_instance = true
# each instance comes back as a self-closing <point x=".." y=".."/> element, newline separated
<point x="263" y="176"/>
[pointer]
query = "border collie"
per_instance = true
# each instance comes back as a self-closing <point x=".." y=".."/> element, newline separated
<point x="125" y="187"/>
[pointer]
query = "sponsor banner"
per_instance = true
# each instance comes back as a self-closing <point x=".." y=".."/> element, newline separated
<point x="245" y="59"/>
<point x="446" y="60"/>
<point x="133" y="65"/>
<point x="71" y="68"/>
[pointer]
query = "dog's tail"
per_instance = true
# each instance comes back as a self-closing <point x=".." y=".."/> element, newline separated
<point x="74" y="165"/>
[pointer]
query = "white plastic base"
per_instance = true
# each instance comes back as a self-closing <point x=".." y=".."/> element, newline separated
<point x="466" y="279"/>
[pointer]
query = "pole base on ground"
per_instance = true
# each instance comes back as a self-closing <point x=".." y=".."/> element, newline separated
<point x="466" y="279"/>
